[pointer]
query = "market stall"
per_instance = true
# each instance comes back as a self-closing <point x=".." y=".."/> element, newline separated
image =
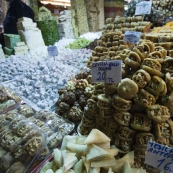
<point x="74" y="101"/>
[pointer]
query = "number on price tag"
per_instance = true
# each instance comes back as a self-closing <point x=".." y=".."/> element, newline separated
<point x="52" y="51"/>
<point x="143" y="8"/>
<point x="110" y="69"/>
<point x="132" y="37"/>
<point x="159" y="156"/>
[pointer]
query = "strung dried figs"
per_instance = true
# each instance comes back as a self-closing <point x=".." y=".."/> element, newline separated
<point x="69" y="98"/>
<point x="63" y="108"/>
<point x="78" y="93"/>
<point x="82" y="101"/>
<point x="75" y="114"/>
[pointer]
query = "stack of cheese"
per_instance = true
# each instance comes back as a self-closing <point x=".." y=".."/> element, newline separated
<point x="92" y="13"/>
<point x="101" y="14"/>
<point x="65" y="28"/>
<point x="2" y="56"/>
<point x="29" y="33"/>
<point x="21" y="48"/>
<point x="43" y="14"/>
<point x="74" y="23"/>
<point x="80" y="16"/>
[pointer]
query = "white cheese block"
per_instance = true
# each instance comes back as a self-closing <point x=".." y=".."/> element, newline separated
<point x="21" y="48"/>
<point x="32" y="38"/>
<point x="20" y="44"/>
<point x="25" y="28"/>
<point x="20" y="52"/>
<point x="25" y="19"/>
<point x="26" y="24"/>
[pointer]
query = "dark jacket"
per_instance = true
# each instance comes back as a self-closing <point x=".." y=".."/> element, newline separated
<point x="16" y="10"/>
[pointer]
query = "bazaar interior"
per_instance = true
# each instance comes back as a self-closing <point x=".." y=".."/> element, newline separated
<point x="86" y="87"/>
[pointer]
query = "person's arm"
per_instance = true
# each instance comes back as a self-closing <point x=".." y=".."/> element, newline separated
<point x="19" y="9"/>
<point x="23" y="10"/>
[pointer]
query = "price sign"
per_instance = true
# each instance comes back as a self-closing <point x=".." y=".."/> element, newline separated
<point x="132" y="37"/>
<point x="143" y="8"/>
<point x="107" y="71"/>
<point x="52" y="51"/>
<point x="159" y="156"/>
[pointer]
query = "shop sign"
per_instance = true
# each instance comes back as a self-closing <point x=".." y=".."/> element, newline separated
<point x="143" y="8"/>
<point x="52" y="51"/>
<point x="107" y="71"/>
<point x="132" y="37"/>
<point x="159" y="156"/>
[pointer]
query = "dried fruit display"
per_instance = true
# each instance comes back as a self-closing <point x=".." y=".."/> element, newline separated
<point x="138" y="108"/>
<point x="73" y="98"/>
<point x="155" y="12"/>
<point x="123" y="24"/>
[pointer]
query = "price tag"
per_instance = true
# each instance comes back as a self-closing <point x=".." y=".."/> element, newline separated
<point x="111" y="68"/>
<point x="143" y="8"/>
<point x="132" y="37"/>
<point x="52" y="51"/>
<point x="159" y="156"/>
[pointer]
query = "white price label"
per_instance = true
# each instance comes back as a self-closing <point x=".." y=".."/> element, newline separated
<point x="110" y="69"/>
<point x="159" y="156"/>
<point x="132" y="37"/>
<point x="52" y="51"/>
<point x="143" y="8"/>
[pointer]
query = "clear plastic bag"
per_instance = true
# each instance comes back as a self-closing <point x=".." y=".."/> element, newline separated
<point x="55" y="126"/>
<point x="20" y="143"/>
<point x="8" y="100"/>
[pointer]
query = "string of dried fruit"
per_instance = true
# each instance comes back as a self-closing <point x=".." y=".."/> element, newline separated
<point x="73" y="98"/>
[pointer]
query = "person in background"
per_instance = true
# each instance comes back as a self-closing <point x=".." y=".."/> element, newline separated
<point x="17" y="9"/>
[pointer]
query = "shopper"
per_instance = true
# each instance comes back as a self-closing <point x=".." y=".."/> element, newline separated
<point x="17" y="9"/>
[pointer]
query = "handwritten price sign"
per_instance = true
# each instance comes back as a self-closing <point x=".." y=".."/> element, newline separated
<point x="111" y="70"/>
<point x="52" y="51"/>
<point x="159" y="156"/>
<point x="132" y="37"/>
<point x="143" y="8"/>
